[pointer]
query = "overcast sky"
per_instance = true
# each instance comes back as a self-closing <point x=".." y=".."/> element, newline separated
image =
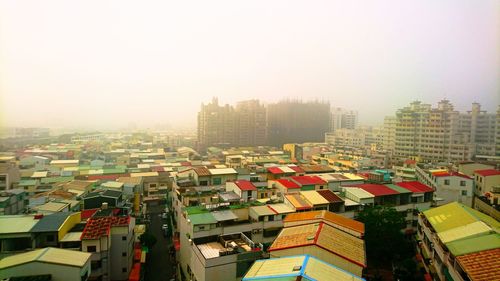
<point x="109" y="63"/>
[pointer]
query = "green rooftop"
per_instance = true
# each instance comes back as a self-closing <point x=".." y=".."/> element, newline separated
<point x="27" y="182"/>
<point x="57" y="179"/>
<point x="195" y="210"/>
<point x="475" y="244"/>
<point x="204" y="218"/>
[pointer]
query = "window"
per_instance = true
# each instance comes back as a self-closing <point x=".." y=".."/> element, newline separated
<point x="152" y="185"/>
<point x="446" y="182"/>
<point x="124" y="238"/>
<point x="462" y="183"/>
<point x="217" y="181"/>
<point x="124" y="269"/>
<point x="91" y="249"/>
<point x="124" y="254"/>
<point x="271" y="218"/>
<point x="464" y="192"/>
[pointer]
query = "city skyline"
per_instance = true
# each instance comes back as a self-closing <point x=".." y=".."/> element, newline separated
<point x="155" y="64"/>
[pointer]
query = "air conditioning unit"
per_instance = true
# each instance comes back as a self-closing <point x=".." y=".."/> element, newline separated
<point x="256" y="231"/>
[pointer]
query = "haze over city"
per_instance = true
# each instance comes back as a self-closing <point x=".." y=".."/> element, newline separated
<point x="96" y="64"/>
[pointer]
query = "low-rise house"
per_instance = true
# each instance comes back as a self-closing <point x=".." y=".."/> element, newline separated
<point x="297" y="202"/>
<point x="284" y="186"/>
<point x="448" y="186"/>
<point x="47" y="264"/>
<point x="221" y="257"/>
<point x="323" y="241"/>
<point x="13" y="201"/>
<point x="300" y="267"/>
<point x="245" y="189"/>
<point x="310" y="182"/>
<point x="96" y="199"/>
<point x="486" y="180"/>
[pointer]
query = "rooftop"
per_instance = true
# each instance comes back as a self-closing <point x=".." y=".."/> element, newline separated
<point x="330" y="196"/>
<point x="47" y="255"/>
<point x="325" y="236"/>
<point x="377" y="189"/>
<point x="17" y="223"/>
<point x="481" y="266"/>
<point x="313" y="197"/>
<point x="415" y="186"/>
<point x="201" y="171"/>
<point x="202" y="218"/>
<point x="474" y="244"/>
<point x="245" y="185"/>
<point x="488" y="172"/>
<point x="223" y="171"/>
<point x="450" y="174"/>
<point x="100" y="226"/>
<point x="263" y="210"/>
<point x="327" y="217"/>
<point x="227" y="245"/>
<point x="302" y="267"/>
<point x="287" y="183"/>
<point x="50" y="223"/>
<point x="308" y="180"/>
<point x="298" y="201"/>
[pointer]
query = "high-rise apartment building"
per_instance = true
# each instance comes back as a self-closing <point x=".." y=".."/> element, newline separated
<point x="216" y="125"/>
<point x="343" y="119"/>
<point x="251" y="123"/>
<point x="243" y="125"/>
<point x="297" y="122"/>
<point x="440" y="134"/>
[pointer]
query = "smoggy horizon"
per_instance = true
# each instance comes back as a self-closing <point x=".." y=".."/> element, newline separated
<point x="105" y="65"/>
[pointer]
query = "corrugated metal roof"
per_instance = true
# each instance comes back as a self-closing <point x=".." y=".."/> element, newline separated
<point x="50" y="223"/>
<point x="474" y="244"/>
<point x="359" y="193"/>
<point x="298" y="201"/>
<point x="245" y="185"/>
<point x="377" y="189"/>
<point x="314" y="197"/>
<point x="398" y="188"/>
<point x="340" y="243"/>
<point x="290" y="268"/>
<point x="454" y="215"/>
<point x="281" y="208"/>
<point x="17" y="223"/>
<point x="460" y="232"/>
<point x="488" y="172"/>
<point x="224" y="171"/>
<point x="48" y="255"/>
<point x="203" y="218"/>
<point x="330" y="196"/>
<point x="263" y="210"/>
<point x="42" y="174"/>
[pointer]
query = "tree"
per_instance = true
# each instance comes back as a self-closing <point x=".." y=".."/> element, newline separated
<point x="148" y="239"/>
<point x="383" y="237"/>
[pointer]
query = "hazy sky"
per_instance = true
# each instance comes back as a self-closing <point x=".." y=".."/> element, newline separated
<point x="108" y="63"/>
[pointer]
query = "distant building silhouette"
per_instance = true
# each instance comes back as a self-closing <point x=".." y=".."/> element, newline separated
<point x="297" y="122"/>
<point x="243" y="125"/>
